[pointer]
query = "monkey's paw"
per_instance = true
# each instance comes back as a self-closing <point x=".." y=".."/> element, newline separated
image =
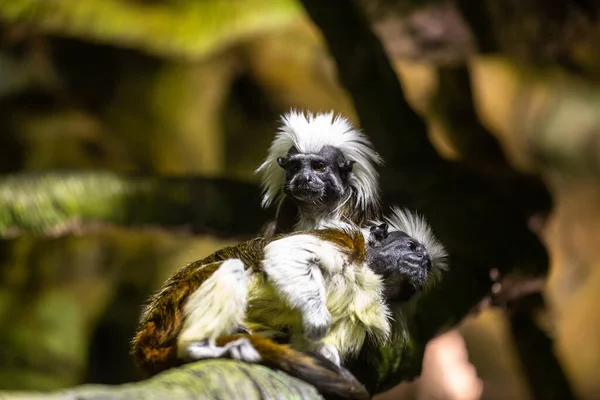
<point x="316" y="324"/>
<point x="240" y="349"/>
<point x="330" y="352"/>
<point x="243" y="350"/>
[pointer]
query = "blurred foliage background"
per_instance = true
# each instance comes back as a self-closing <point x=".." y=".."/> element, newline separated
<point x="130" y="130"/>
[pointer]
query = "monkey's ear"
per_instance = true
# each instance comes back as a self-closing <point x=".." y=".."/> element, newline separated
<point x="379" y="232"/>
<point x="382" y="230"/>
<point x="346" y="166"/>
<point x="281" y="161"/>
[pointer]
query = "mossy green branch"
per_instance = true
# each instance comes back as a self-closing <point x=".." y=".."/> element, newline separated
<point x="184" y="28"/>
<point x="57" y="202"/>
<point x="209" y="379"/>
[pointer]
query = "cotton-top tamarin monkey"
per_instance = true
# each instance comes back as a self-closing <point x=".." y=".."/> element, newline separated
<point x="329" y="289"/>
<point x="319" y="169"/>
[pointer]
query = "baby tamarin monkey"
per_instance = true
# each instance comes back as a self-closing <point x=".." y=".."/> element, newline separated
<point x="319" y="169"/>
<point x="330" y="289"/>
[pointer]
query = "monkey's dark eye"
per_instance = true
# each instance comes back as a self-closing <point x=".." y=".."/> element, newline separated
<point x="412" y="245"/>
<point x="293" y="166"/>
<point x="318" y="166"/>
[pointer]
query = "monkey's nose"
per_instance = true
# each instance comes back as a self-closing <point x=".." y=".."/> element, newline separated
<point x="416" y="256"/>
<point x="304" y="179"/>
<point x="419" y="258"/>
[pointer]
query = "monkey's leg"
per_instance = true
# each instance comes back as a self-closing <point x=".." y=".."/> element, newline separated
<point x="292" y="268"/>
<point x="330" y="380"/>
<point x="216" y="308"/>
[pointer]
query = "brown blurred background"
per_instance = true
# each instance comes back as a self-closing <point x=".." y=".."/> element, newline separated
<point x="195" y="88"/>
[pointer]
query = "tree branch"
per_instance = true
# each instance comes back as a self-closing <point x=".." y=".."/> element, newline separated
<point x="469" y="214"/>
<point x="545" y="376"/>
<point x="453" y="107"/>
<point x="201" y="380"/>
<point x="364" y="70"/>
<point x="55" y="203"/>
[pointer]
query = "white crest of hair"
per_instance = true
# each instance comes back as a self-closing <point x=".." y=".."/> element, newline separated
<point x="217" y="306"/>
<point x="310" y="133"/>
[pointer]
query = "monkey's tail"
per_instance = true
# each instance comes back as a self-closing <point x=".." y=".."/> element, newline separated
<point x="332" y="382"/>
<point x="149" y="356"/>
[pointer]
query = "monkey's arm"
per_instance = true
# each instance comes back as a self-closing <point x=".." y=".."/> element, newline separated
<point x="295" y="267"/>
<point x="292" y="267"/>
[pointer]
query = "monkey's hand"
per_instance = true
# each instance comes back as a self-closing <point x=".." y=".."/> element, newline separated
<point x="320" y="350"/>
<point x="330" y="353"/>
<point x="316" y="322"/>
<point x="240" y="349"/>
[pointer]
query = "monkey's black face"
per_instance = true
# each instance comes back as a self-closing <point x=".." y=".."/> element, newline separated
<point x="316" y="178"/>
<point x="402" y="261"/>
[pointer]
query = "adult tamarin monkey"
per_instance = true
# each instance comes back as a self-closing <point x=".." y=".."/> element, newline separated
<point x="330" y="289"/>
<point x="319" y="169"/>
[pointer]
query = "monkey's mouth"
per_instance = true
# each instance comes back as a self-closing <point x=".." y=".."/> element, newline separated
<point x="416" y="274"/>
<point x="402" y="287"/>
<point x="419" y="280"/>
<point x="306" y="193"/>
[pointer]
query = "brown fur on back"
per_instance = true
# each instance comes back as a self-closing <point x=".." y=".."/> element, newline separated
<point x="352" y="242"/>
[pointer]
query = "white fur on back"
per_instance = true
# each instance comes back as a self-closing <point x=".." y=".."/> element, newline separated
<point x="218" y="305"/>
<point x="310" y="133"/>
